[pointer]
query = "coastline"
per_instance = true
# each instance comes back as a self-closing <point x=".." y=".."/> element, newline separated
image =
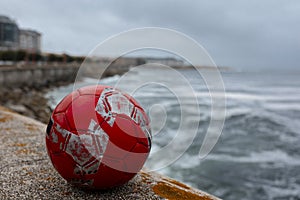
<point x="31" y="101"/>
<point x="26" y="171"/>
<point x="23" y="88"/>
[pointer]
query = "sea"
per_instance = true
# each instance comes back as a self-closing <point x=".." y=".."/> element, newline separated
<point x="257" y="155"/>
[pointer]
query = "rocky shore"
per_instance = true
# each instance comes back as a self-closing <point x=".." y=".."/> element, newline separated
<point x="23" y="89"/>
<point x="30" y="102"/>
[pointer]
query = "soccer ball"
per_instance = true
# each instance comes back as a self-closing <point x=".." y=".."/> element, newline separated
<point x="98" y="137"/>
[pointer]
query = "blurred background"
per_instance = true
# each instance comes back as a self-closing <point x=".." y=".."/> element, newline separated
<point x="255" y="44"/>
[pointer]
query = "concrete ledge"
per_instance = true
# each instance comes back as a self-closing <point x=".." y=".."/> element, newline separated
<point x="26" y="172"/>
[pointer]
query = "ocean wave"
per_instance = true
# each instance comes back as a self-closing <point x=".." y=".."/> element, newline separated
<point x="275" y="156"/>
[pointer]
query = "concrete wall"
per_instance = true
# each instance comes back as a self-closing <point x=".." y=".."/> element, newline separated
<point x="36" y="76"/>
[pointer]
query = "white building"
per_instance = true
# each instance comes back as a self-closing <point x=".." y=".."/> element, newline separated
<point x="29" y="40"/>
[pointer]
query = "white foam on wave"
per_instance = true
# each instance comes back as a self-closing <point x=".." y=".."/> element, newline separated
<point x="277" y="191"/>
<point x="89" y="81"/>
<point x="110" y="80"/>
<point x="276" y="156"/>
<point x="244" y="96"/>
<point x="237" y="111"/>
<point x="285" y="121"/>
<point x="187" y="161"/>
<point x="283" y="106"/>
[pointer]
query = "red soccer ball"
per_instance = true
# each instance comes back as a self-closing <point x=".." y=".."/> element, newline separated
<point x="98" y="137"/>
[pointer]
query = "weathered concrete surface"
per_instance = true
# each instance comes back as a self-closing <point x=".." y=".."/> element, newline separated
<point x="26" y="171"/>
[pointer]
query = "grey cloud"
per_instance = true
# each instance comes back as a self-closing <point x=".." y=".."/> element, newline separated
<point x="236" y="33"/>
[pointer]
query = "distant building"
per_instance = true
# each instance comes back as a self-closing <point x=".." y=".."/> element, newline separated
<point x="13" y="38"/>
<point x="29" y="40"/>
<point x="9" y="34"/>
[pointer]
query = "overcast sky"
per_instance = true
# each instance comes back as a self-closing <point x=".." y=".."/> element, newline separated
<point x="237" y="33"/>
